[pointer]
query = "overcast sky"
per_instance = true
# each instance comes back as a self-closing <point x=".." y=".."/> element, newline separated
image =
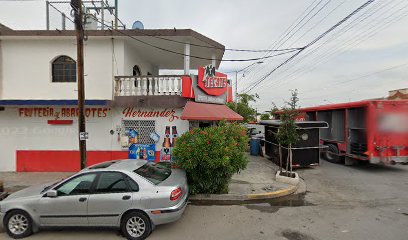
<point x="363" y="58"/>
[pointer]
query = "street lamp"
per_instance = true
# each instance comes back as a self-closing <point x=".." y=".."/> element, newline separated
<point x="236" y="78"/>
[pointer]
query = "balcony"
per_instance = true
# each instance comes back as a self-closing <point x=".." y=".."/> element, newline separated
<point x="163" y="85"/>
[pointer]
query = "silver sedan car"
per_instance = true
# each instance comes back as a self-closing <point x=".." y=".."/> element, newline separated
<point x="133" y="195"/>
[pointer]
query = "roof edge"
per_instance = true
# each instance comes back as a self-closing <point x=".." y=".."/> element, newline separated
<point x="133" y="32"/>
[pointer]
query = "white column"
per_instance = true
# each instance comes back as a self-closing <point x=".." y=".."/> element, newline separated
<point x="156" y="85"/>
<point x="187" y="58"/>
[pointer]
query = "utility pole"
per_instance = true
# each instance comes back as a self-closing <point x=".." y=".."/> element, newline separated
<point x="116" y="14"/>
<point x="77" y="6"/>
<point x="236" y="78"/>
<point x="236" y="87"/>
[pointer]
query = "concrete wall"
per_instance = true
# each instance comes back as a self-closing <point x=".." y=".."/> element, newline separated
<point x="26" y="67"/>
<point x="21" y="132"/>
<point x="132" y="59"/>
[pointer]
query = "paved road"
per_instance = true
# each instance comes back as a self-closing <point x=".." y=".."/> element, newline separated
<point x="342" y="202"/>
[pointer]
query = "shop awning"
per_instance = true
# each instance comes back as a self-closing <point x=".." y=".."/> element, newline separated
<point x="209" y="112"/>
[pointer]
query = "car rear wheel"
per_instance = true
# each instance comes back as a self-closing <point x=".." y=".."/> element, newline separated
<point x="18" y="224"/>
<point x="332" y="154"/>
<point x="136" y="226"/>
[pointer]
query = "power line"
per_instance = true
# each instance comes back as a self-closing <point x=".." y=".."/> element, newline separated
<point x="182" y="54"/>
<point x="363" y="76"/>
<point x="353" y="41"/>
<point x="193" y="56"/>
<point x="341" y="31"/>
<point x="312" y="42"/>
<point x="206" y="46"/>
<point x="293" y="26"/>
<point x="299" y="19"/>
<point x="318" y="58"/>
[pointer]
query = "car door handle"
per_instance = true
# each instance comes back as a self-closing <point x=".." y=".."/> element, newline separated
<point x="82" y="199"/>
<point x="126" y="197"/>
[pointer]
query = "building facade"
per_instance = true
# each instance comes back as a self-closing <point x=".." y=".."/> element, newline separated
<point x="127" y="100"/>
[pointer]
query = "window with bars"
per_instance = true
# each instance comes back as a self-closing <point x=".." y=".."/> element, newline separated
<point x="64" y="69"/>
<point x="143" y="127"/>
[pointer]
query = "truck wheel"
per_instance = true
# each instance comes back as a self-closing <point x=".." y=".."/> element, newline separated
<point x="332" y="154"/>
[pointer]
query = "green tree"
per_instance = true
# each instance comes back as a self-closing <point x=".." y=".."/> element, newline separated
<point x="210" y="156"/>
<point x="287" y="134"/>
<point x="243" y="107"/>
<point x="265" y="116"/>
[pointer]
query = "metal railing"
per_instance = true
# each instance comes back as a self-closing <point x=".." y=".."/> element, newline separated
<point x="147" y="85"/>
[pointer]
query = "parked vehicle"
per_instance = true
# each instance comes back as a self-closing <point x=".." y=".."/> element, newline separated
<point x="374" y="131"/>
<point x="133" y="195"/>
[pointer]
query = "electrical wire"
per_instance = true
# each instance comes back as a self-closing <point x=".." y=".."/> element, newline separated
<point x="367" y="3"/>
<point x="182" y="54"/>
<point x="289" y="30"/>
<point x="193" y="56"/>
<point x="318" y="59"/>
<point x="353" y="41"/>
<point x="334" y="36"/>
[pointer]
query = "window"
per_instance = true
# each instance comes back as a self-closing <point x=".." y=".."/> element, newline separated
<point x="143" y="128"/>
<point x="77" y="186"/>
<point x="111" y="182"/>
<point x="132" y="184"/>
<point x="154" y="172"/>
<point x="64" y="69"/>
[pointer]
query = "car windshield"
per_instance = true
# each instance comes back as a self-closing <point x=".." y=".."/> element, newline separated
<point x="155" y="172"/>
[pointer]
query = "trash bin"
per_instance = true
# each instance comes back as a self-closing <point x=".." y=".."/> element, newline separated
<point x="254" y="146"/>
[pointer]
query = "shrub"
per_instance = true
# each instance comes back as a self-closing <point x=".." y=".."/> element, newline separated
<point x="210" y="156"/>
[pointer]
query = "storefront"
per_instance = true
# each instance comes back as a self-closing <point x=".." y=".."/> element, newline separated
<point x="42" y="135"/>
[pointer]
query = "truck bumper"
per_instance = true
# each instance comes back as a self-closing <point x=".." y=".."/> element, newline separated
<point x="389" y="160"/>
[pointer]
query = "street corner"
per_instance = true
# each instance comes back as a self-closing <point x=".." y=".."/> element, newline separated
<point x="250" y="193"/>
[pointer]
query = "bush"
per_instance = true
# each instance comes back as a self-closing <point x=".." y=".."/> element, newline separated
<point x="210" y="156"/>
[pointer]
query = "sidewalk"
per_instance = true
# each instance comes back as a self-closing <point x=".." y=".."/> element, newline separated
<point x="255" y="183"/>
<point x="15" y="181"/>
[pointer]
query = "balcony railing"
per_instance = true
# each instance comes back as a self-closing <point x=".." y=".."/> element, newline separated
<point x="147" y="85"/>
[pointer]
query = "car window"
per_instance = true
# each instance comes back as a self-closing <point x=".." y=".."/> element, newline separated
<point x="111" y="182"/>
<point x="132" y="184"/>
<point x="78" y="185"/>
<point x="154" y="172"/>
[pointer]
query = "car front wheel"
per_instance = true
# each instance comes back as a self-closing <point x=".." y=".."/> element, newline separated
<point x="18" y="224"/>
<point x="136" y="226"/>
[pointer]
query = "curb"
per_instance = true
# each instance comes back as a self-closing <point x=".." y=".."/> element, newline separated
<point x="234" y="199"/>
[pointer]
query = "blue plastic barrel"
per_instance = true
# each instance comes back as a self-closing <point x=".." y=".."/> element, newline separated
<point x="254" y="146"/>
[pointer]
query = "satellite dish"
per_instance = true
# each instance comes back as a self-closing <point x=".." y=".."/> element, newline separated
<point x="138" y="25"/>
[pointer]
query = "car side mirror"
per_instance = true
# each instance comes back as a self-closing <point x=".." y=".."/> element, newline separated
<point x="52" y="193"/>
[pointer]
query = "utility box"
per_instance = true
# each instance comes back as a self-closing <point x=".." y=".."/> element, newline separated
<point x="307" y="149"/>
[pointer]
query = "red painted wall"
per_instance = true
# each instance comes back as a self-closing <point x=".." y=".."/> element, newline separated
<point x="63" y="161"/>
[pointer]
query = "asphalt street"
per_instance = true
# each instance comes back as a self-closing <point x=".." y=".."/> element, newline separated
<point x="342" y="202"/>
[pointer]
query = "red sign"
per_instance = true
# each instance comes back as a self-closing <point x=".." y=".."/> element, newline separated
<point x="212" y="82"/>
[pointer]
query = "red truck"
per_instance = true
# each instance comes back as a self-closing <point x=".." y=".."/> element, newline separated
<point x="374" y="131"/>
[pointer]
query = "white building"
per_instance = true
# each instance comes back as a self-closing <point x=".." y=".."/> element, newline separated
<point x="123" y="90"/>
